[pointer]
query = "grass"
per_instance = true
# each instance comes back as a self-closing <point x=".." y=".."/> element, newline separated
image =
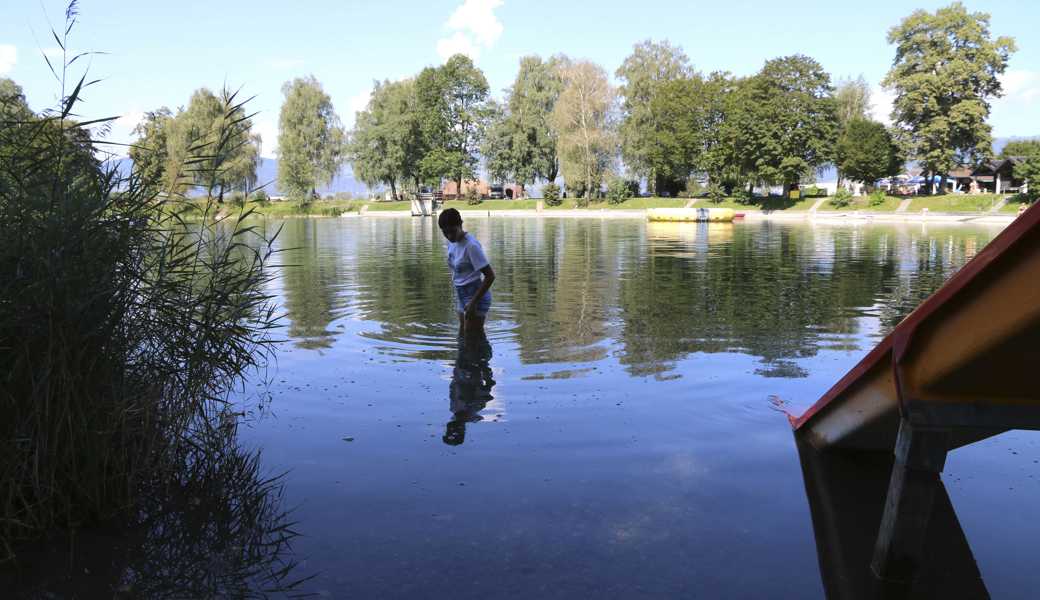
<point x="335" y="208"/>
<point x="970" y="203"/>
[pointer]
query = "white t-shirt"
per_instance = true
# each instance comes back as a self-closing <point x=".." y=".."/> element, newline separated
<point x="465" y="259"/>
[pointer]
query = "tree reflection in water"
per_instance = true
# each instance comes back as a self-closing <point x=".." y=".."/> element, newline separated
<point x="218" y="529"/>
<point x="470" y="389"/>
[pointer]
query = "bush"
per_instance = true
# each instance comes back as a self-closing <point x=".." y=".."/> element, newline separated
<point x="715" y="193"/>
<point x="551" y="194"/>
<point x="876" y="198"/>
<point x="237" y="198"/>
<point x="122" y="329"/>
<point x="472" y="196"/>
<point x="693" y="189"/>
<point x="841" y="199"/>
<point x="744" y="196"/>
<point x="618" y="190"/>
<point x="261" y="197"/>
<point x="813" y="192"/>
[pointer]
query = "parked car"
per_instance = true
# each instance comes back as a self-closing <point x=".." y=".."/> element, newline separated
<point x="496" y="192"/>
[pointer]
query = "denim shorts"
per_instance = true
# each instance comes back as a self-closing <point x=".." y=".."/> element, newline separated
<point x="465" y="293"/>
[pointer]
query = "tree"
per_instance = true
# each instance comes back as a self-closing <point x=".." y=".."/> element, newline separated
<point x="150" y="152"/>
<point x="650" y="66"/>
<point x="584" y="118"/>
<point x="945" y="72"/>
<point x="866" y="152"/>
<point x="311" y="140"/>
<point x="1020" y="148"/>
<point x="852" y="100"/>
<point x="1029" y="170"/>
<point x="13" y="106"/>
<point x="520" y="141"/>
<point x="386" y="145"/>
<point x="781" y="124"/>
<point x="214" y="134"/>
<point x="453" y="114"/>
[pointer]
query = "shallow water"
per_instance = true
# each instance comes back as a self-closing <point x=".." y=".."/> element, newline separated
<point x="620" y="435"/>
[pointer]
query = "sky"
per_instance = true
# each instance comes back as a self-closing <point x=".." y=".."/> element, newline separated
<point x="157" y="52"/>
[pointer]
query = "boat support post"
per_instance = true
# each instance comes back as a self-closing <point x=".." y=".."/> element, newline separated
<point x="920" y="455"/>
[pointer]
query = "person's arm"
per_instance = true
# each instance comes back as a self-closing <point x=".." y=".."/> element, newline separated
<point x="489" y="278"/>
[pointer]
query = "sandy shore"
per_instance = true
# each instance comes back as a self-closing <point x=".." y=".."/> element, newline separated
<point x="751" y="215"/>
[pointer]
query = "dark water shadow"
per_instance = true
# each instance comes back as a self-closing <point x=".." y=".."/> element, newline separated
<point x="216" y="529"/>
<point x="470" y="389"/>
<point x="847" y="492"/>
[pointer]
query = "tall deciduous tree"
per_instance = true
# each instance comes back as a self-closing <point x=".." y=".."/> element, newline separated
<point x="520" y="143"/>
<point x="386" y="145"/>
<point x="866" y="152"/>
<point x="584" y="116"/>
<point x="945" y="72"/>
<point x="781" y="122"/>
<point x="453" y="113"/>
<point x="650" y="66"/>
<point x="311" y="139"/>
<point x="219" y="142"/>
<point x="852" y="101"/>
<point x="150" y="152"/>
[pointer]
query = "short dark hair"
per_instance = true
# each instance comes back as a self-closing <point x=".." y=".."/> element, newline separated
<point x="448" y="217"/>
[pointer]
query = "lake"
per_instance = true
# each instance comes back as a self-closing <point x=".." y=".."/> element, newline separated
<point x="621" y="432"/>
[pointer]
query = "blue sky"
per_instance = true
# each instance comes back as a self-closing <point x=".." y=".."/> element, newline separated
<point x="159" y="52"/>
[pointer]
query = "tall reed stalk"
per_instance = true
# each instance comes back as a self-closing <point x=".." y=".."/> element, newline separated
<point x="122" y="328"/>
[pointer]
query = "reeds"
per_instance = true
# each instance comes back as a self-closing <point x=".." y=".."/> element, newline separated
<point x="122" y="327"/>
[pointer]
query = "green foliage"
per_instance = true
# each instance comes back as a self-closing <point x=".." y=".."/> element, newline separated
<point x="452" y="115"/>
<point x="582" y="117"/>
<point x="852" y="100"/>
<point x="693" y="189"/>
<point x="224" y="153"/>
<point x="841" y="199"/>
<point x="619" y="190"/>
<point x="311" y="141"/>
<point x="551" y="194"/>
<point x="260" y="196"/>
<point x="1020" y="148"/>
<point x="150" y="153"/>
<point x="876" y="197"/>
<point x="387" y="144"/>
<point x="946" y="71"/>
<point x="781" y="124"/>
<point x="657" y="77"/>
<point x="472" y="196"/>
<point x="866" y="152"/>
<point x="520" y="143"/>
<point x="813" y="192"/>
<point x="715" y="193"/>
<point x="123" y="330"/>
<point x="1029" y="170"/>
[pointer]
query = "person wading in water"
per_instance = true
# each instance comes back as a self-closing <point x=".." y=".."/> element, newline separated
<point x="471" y="273"/>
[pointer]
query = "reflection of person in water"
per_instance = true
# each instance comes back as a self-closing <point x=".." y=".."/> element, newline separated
<point x="470" y="389"/>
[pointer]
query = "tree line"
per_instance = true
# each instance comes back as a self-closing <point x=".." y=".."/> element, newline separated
<point x="665" y="123"/>
<point x="673" y="127"/>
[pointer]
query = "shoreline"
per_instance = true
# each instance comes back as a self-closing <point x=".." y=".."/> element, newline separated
<point x="749" y="215"/>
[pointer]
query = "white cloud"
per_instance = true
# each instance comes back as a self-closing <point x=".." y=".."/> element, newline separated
<point x="8" y="57"/>
<point x="357" y="102"/>
<point x="1021" y="85"/>
<point x="881" y="104"/>
<point x="474" y="27"/>
<point x="459" y="43"/>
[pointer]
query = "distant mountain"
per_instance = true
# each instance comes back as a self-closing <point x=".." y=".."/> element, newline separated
<point x="267" y="173"/>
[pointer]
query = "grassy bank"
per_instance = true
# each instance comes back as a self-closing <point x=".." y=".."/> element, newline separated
<point x="334" y="208"/>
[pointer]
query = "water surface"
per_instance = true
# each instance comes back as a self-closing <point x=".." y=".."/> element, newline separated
<point x="618" y="435"/>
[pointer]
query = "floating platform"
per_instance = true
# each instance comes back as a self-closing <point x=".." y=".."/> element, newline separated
<point x="712" y="215"/>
